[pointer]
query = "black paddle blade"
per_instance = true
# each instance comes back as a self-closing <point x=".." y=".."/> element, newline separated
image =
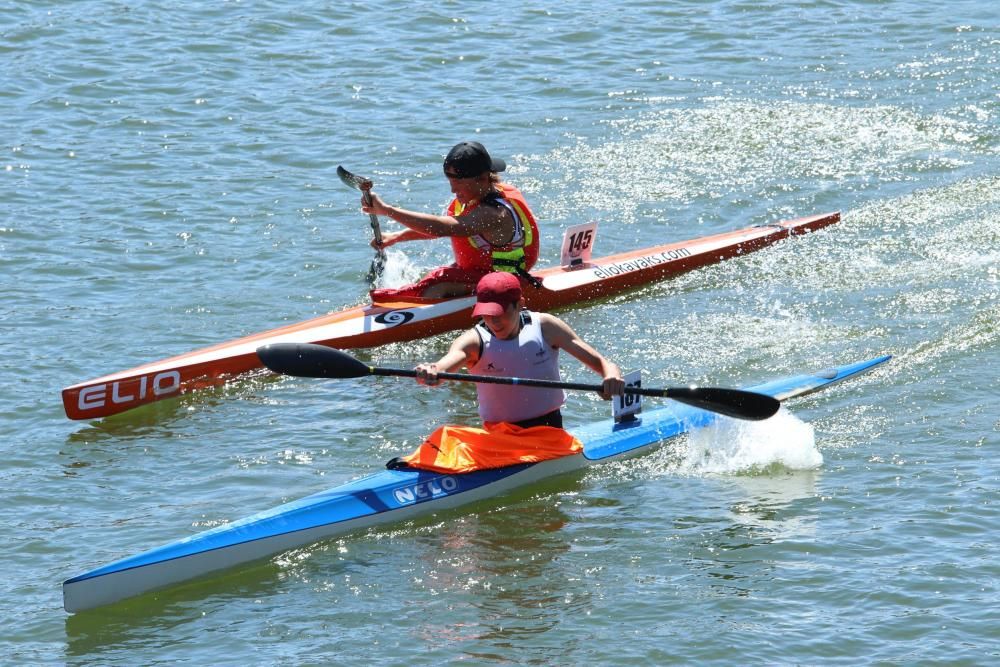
<point x="352" y="181"/>
<point x="307" y="360"/>
<point x="730" y="402"/>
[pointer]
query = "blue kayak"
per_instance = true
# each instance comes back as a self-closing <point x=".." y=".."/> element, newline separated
<point x="397" y="495"/>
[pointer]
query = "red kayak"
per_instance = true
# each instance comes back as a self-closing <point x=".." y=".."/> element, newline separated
<point x="382" y="323"/>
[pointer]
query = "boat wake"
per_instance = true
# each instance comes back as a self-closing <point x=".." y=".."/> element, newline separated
<point x="730" y="446"/>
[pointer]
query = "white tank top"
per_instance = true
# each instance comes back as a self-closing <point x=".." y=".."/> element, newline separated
<point x="525" y="356"/>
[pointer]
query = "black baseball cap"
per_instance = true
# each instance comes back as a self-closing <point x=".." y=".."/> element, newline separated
<point x="470" y="158"/>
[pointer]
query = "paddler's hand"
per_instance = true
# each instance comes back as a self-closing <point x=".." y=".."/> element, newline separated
<point x="427" y="374"/>
<point x="377" y="206"/>
<point x="613" y="384"/>
<point x="388" y="239"/>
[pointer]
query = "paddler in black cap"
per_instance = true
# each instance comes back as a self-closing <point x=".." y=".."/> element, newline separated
<point x="489" y="223"/>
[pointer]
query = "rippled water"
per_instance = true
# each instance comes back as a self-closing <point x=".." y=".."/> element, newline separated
<point x="168" y="181"/>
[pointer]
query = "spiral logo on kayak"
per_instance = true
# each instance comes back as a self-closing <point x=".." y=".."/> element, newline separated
<point x="394" y="318"/>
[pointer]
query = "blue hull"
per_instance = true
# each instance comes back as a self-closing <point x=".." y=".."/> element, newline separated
<point x="395" y="495"/>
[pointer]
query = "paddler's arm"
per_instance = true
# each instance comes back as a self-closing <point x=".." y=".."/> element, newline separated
<point x="492" y="222"/>
<point x="392" y="238"/>
<point x="559" y="334"/>
<point x="464" y="351"/>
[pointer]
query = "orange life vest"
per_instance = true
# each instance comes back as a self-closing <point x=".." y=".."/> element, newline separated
<point x="475" y="253"/>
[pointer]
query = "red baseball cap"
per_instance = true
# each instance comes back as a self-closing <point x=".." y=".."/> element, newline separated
<point x="495" y="292"/>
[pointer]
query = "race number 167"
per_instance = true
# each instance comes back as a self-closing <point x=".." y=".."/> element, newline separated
<point x="627" y="406"/>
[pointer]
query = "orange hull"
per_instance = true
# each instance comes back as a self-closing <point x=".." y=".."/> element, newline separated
<point x="383" y="323"/>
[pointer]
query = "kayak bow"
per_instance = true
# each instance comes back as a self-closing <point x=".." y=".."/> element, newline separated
<point x="396" y="495"/>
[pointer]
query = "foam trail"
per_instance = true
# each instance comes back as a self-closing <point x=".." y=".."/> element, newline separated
<point x="735" y="446"/>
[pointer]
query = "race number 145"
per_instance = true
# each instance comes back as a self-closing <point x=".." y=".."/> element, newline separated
<point x="578" y="242"/>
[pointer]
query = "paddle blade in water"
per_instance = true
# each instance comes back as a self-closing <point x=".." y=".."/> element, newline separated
<point x="311" y="361"/>
<point x="377" y="268"/>
<point x="730" y="402"/>
<point x="365" y="185"/>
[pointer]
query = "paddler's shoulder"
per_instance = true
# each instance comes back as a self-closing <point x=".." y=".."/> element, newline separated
<point x="545" y="319"/>
<point x="469" y="341"/>
<point x="554" y="330"/>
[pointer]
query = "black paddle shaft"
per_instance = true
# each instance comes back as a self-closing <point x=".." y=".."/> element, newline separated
<point x="730" y="402"/>
<point x="320" y="361"/>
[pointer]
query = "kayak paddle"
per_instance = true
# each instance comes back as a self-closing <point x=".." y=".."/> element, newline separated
<point x="365" y="185"/>
<point x="319" y="361"/>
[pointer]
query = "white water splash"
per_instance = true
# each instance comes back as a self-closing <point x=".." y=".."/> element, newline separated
<point x="399" y="270"/>
<point x="735" y="446"/>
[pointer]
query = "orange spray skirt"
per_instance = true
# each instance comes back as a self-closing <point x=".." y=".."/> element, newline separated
<point x="459" y="449"/>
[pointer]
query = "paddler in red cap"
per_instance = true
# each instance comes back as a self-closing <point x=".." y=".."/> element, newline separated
<point x="489" y="223"/>
<point x="520" y="424"/>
